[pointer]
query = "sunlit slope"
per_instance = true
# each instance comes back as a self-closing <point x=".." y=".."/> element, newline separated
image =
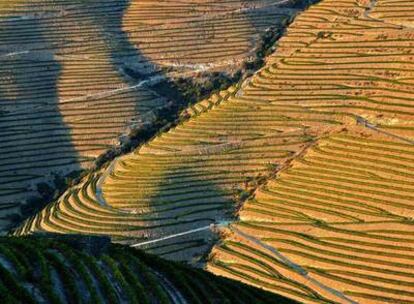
<point x="343" y="213"/>
<point x="90" y="270"/>
<point x="339" y="220"/>
<point x="334" y="58"/>
<point x="71" y="74"/>
<point x="395" y="11"/>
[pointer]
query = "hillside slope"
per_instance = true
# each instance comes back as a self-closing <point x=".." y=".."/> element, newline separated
<point x="76" y="76"/>
<point x="310" y="161"/>
<point x="336" y="226"/>
<point x="214" y="140"/>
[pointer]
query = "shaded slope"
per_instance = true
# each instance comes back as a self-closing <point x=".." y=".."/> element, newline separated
<point x="29" y="117"/>
<point x="57" y="60"/>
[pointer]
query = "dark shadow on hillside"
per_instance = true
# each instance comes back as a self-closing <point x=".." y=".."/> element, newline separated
<point x="134" y="66"/>
<point x="37" y="151"/>
<point x="35" y="144"/>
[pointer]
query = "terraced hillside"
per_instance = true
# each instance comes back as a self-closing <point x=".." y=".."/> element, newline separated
<point x="76" y="75"/>
<point x="186" y="178"/>
<point x="395" y="11"/>
<point x="336" y="226"/>
<point x="87" y="270"/>
<point x="202" y="35"/>
<point x="311" y="158"/>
